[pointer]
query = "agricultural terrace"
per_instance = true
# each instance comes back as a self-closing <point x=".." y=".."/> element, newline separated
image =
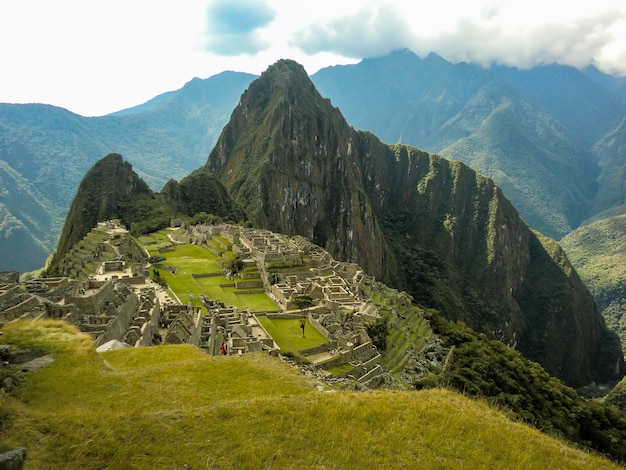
<point x="197" y="272"/>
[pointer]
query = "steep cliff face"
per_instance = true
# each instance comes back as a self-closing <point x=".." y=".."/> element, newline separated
<point x="417" y="221"/>
<point x="463" y="248"/>
<point x="288" y="158"/>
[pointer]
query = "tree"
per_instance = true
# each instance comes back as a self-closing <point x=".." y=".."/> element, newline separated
<point x="236" y="265"/>
<point x="156" y="259"/>
<point x="303" y="302"/>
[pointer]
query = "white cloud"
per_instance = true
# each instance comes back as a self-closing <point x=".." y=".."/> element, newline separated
<point x="369" y="32"/>
<point x="574" y="43"/>
<point x="233" y="26"/>
<point x="496" y="33"/>
<point x="98" y="57"/>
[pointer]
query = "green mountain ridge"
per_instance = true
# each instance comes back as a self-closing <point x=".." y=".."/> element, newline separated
<point x="611" y="197"/>
<point x="531" y="131"/>
<point x="293" y="164"/>
<point x="598" y="251"/>
<point x="417" y="222"/>
<point x="548" y="172"/>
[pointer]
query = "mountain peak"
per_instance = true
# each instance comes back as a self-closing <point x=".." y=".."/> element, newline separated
<point x="295" y="165"/>
<point x="435" y="59"/>
<point x="108" y="183"/>
<point x="285" y="65"/>
<point x="282" y="75"/>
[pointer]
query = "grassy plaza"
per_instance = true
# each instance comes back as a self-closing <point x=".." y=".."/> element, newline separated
<point x="288" y="334"/>
<point x="197" y="272"/>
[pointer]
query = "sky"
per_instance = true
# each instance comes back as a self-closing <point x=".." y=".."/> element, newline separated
<point x="96" y="57"/>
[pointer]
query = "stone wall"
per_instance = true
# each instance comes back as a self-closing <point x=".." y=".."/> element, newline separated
<point x="132" y="280"/>
<point x="122" y="321"/>
<point x="9" y="277"/>
<point x="20" y="309"/>
<point x="151" y="327"/>
<point x="92" y="303"/>
<point x="319" y="327"/>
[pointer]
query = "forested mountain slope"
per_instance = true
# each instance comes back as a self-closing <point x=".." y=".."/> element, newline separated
<point x="531" y="131"/>
<point x="416" y="221"/>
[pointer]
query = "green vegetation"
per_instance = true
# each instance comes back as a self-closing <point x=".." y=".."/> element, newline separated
<point x="598" y="252"/>
<point x="378" y="333"/>
<point x="144" y="215"/>
<point x="175" y="407"/>
<point x="617" y="396"/>
<point x="303" y="301"/>
<point x="485" y="368"/>
<point x="199" y="193"/>
<point x="196" y="272"/>
<point x="287" y="334"/>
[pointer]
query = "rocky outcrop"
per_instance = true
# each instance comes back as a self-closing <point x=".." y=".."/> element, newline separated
<point x="288" y="158"/>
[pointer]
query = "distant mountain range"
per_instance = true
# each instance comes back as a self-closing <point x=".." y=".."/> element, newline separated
<point x="549" y="137"/>
<point x="288" y="161"/>
<point x="45" y="151"/>
<point x="532" y="131"/>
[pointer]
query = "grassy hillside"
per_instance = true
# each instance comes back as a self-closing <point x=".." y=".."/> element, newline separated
<point x="175" y="407"/>
<point x="598" y="252"/>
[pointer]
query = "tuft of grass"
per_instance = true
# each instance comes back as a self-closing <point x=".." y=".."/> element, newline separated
<point x="175" y="407"/>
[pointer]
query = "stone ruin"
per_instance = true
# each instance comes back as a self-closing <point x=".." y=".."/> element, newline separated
<point x="119" y="303"/>
<point x="289" y="268"/>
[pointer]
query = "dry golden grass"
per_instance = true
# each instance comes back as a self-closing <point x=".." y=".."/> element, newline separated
<point x="175" y="407"/>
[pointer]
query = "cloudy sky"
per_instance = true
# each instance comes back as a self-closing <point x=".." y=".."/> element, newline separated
<point x="96" y="57"/>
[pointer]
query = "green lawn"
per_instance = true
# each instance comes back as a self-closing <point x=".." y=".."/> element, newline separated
<point x="153" y="241"/>
<point x="190" y="259"/>
<point x="184" y="284"/>
<point x="195" y="259"/>
<point x="288" y="334"/>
